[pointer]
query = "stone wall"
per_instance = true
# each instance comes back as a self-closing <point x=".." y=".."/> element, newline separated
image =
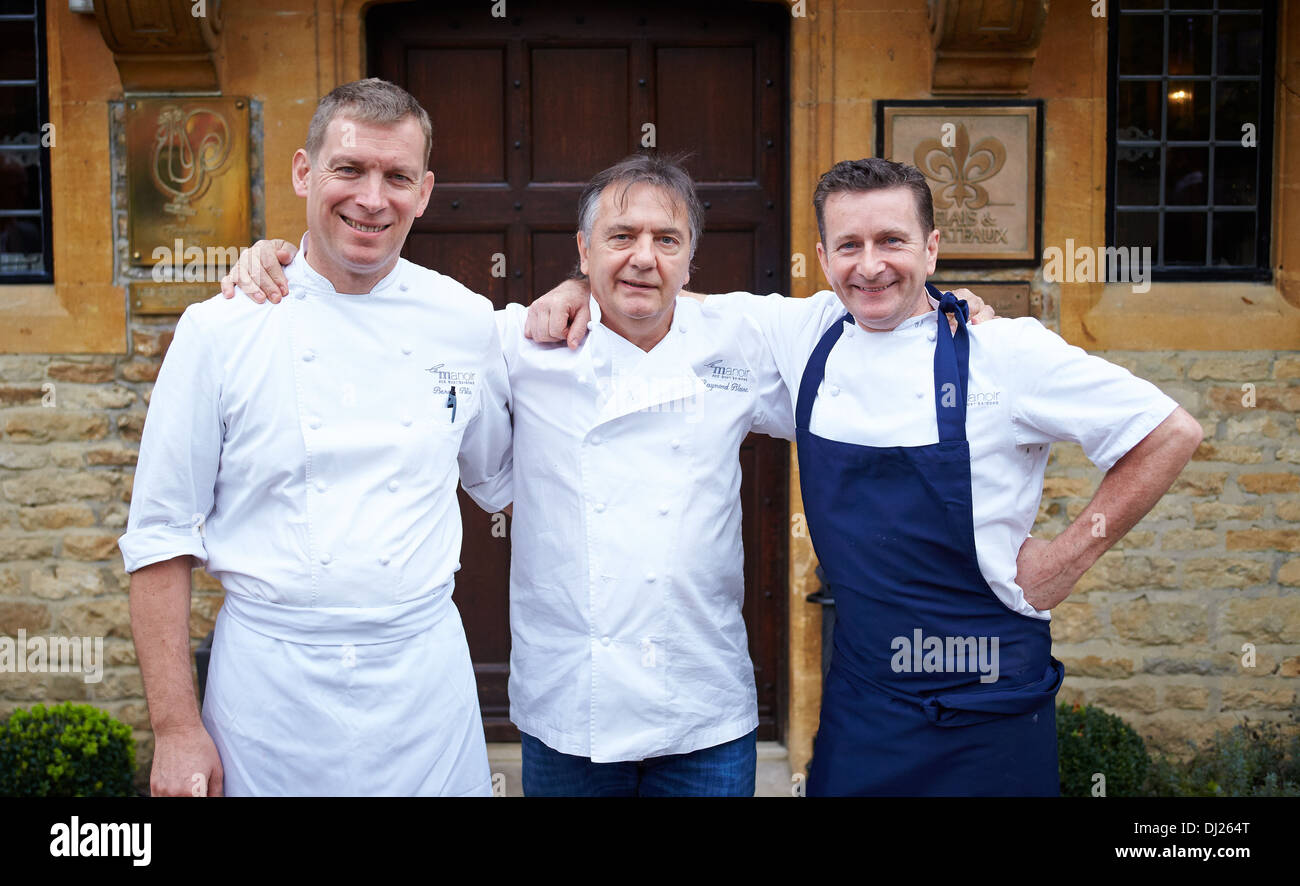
<point x="69" y="433"/>
<point x="1157" y="631"/>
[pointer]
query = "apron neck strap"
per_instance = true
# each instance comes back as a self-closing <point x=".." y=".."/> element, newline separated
<point x="951" y="363"/>
<point x="815" y="371"/>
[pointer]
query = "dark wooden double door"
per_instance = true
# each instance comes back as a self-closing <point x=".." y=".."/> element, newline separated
<point x="525" y="109"/>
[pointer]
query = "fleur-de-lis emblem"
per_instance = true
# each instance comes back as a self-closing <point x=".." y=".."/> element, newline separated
<point x="188" y="149"/>
<point x="959" y="169"/>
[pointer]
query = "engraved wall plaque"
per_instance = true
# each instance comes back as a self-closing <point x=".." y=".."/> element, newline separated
<point x="188" y="180"/>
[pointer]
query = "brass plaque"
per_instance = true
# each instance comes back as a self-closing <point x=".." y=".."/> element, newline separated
<point x="171" y="298"/>
<point x="982" y="167"/>
<point x="188" y="185"/>
<point x="1007" y="299"/>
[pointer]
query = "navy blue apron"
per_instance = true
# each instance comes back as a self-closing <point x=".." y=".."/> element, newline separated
<point x="910" y="706"/>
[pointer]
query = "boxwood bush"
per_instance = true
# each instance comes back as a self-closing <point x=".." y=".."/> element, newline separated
<point x="1091" y="741"/>
<point x="72" y="750"/>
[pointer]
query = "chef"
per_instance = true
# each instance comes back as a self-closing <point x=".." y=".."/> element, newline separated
<point x="308" y="456"/>
<point x="629" y="669"/>
<point x="922" y="451"/>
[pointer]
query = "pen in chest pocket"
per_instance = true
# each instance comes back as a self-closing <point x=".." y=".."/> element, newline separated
<point x="451" y="403"/>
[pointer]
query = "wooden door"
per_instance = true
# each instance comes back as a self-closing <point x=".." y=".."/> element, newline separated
<point x="525" y="110"/>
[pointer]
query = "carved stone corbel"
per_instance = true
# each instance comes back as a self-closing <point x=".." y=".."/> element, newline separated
<point x="163" y="45"/>
<point x="985" y="46"/>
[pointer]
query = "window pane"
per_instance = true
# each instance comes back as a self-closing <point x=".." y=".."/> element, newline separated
<point x="20" y="179"/>
<point x="1141" y="4"/>
<point x="18" y="122"/>
<point x="18" y="59"/>
<point x="1240" y="44"/>
<point x="1185" y="174"/>
<point x="1137" y="176"/>
<point x="1238" y="103"/>
<point x="1234" y="176"/>
<point x="1141" y="43"/>
<point x="1189" y="44"/>
<point x="1241" y="4"/>
<point x="20" y="246"/>
<point x="1234" y="239"/>
<point x="1188" y="117"/>
<point x="1185" y="238"/>
<point x="1136" y="229"/>
<point x="1138" y="114"/>
<point x="17" y="7"/>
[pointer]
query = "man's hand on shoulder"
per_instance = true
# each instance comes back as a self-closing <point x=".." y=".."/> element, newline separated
<point x="560" y="315"/>
<point x="979" y="311"/>
<point x="260" y="273"/>
<point x="185" y="764"/>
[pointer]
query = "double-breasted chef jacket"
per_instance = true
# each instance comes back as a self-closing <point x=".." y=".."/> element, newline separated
<point x="308" y="453"/>
<point x="626" y="579"/>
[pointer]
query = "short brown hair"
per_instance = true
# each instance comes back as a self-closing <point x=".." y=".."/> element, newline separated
<point x="667" y="173"/>
<point x="874" y="174"/>
<point x="370" y="101"/>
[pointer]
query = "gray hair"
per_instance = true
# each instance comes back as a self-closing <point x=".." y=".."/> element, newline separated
<point x="666" y="173"/>
<point x="370" y="101"/>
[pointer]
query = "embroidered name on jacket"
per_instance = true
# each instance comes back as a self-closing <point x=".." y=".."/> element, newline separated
<point x="722" y="377"/>
<point x="446" y="378"/>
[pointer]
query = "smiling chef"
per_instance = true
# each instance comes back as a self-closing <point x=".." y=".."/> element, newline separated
<point x="308" y="457"/>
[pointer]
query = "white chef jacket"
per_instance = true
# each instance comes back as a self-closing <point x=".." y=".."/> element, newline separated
<point x="1027" y="388"/>
<point x="307" y="452"/>
<point x="626" y="578"/>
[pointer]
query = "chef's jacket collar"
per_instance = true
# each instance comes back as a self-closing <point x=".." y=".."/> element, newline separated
<point x="300" y="272"/>
<point x="674" y="326"/>
<point x="917" y="321"/>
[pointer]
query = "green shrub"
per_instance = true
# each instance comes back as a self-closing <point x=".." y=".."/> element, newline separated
<point x="1248" y="760"/>
<point x="72" y="750"/>
<point x="1089" y="741"/>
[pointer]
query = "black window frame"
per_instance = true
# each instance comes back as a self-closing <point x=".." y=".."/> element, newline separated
<point x="42" y="117"/>
<point x="1270" y="21"/>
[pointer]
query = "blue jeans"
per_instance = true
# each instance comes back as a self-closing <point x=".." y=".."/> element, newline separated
<point x="725" y="770"/>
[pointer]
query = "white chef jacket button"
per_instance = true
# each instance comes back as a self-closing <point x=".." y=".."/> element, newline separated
<point x="848" y="333"/>
<point x="929" y="336"/>
<point x="591" y="324"/>
<point x="383" y="561"/>
<point x="650" y="576"/>
<point x="835" y="390"/>
<point x="406" y="421"/>
<point x="604" y="641"/>
<point x="600" y="507"/>
<point x="595" y="440"/>
<point x="320" y="486"/>
<point x="675" y="444"/>
<point x="920" y="394"/>
<point x="406" y="349"/>
<point x="663" y="509"/>
<point x="315" y="424"/>
<point x="308" y="355"/>
<point x="325" y="559"/>
<point x="582" y="379"/>
<point x="392" y="485"/>
<point x="403" y="286"/>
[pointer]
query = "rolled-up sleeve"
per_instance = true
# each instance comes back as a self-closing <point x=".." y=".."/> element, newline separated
<point x="486" y="456"/>
<point x="179" y="453"/>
